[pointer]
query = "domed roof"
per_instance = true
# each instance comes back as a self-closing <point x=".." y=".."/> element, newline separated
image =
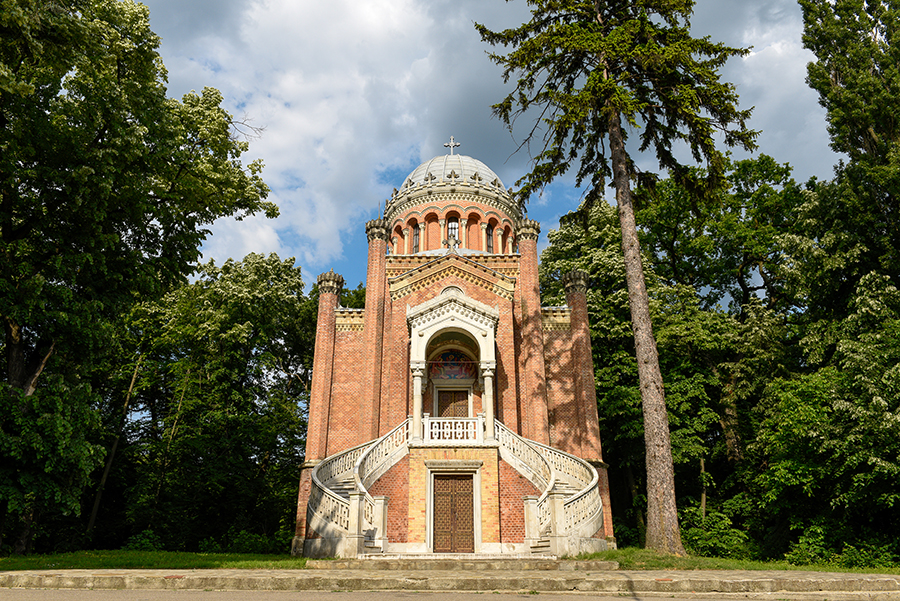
<point x="453" y="168"/>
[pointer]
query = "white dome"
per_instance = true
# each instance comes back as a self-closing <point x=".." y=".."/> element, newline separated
<point x="452" y="169"/>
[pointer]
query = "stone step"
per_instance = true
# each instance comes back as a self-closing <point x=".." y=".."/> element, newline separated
<point x="461" y="562"/>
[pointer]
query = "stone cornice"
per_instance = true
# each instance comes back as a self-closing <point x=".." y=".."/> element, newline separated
<point x="458" y="192"/>
<point x="556" y="318"/>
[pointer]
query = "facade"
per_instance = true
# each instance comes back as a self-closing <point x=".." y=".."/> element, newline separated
<point x="453" y="414"/>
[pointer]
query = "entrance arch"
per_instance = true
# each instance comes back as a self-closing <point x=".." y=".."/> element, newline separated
<point x="462" y="322"/>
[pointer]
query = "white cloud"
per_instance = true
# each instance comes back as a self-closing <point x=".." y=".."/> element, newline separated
<point x="353" y="93"/>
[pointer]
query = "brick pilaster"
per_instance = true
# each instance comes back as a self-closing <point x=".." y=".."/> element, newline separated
<point x="377" y="231"/>
<point x="585" y="386"/>
<point x="330" y="285"/>
<point x="534" y="395"/>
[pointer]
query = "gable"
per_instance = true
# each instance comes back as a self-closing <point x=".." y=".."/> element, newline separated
<point x="452" y="265"/>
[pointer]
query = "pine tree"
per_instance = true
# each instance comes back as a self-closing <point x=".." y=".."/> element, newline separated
<point x="593" y="70"/>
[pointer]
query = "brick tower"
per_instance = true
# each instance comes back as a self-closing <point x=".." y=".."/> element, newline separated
<point x="454" y="414"/>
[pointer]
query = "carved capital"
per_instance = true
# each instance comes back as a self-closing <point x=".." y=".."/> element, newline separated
<point x="528" y="229"/>
<point x="330" y="283"/>
<point x="575" y="281"/>
<point x="378" y="229"/>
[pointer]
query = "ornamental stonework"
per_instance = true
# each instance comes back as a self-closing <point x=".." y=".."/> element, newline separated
<point x="575" y="281"/>
<point x="330" y="283"/>
<point x="555" y="319"/>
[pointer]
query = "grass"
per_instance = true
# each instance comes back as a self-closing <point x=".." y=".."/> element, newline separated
<point x="633" y="558"/>
<point x="629" y="558"/>
<point x="150" y="560"/>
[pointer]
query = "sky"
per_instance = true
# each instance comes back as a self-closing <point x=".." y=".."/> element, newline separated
<point x="351" y="96"/>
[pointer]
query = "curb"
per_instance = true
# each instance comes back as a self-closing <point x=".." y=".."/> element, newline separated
<point x="858" y="586"/>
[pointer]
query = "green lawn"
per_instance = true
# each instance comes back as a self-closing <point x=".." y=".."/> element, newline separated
<point x="149" y="560"/>
<point x="629" y="559"/>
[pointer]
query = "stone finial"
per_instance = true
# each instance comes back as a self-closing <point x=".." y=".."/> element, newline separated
<point x="330" y="283"/>
<point x="377" y="229"/>
<point x="528" y="229"/>
<point x="576" y="281"/>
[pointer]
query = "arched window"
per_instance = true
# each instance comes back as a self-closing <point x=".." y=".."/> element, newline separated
<point x="490" y="238"/>
<point x="415" y="238"/>
<point x="453" y="228"/>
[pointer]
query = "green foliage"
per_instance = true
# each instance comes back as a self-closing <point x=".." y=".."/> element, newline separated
<point x="712" y="535"/>
<point x="143" y="541"/>
<point x="220" y="401"/>
<point x="45" y="440"/>
<point x="107" y="187"/>
<point x="584" y="64"/>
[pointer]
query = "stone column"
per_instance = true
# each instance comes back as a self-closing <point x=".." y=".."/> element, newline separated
<point x="487" y="399"/>
<point x="418" y="373"/>
<point x="463" y="227"/>
<point x="443" y="223"/>
<point x="407" y="242"/>
<point x="423" y="236"/>
<point x="484" y="237"/>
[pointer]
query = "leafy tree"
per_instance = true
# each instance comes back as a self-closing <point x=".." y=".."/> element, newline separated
<point x="854" y="220"/>
<point x="106" y="185"/>
<point x="219" y="405"/>
<point x="592" y="68"/>
<point x="107" y="188"/>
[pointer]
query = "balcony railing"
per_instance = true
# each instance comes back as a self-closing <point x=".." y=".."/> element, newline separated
<point x="461" y="431"/>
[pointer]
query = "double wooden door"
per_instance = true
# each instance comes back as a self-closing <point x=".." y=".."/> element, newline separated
<point x="453" y="403"/>
<point x="454" y="521"/>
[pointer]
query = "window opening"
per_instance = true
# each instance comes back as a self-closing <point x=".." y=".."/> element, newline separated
<point x="416" y="238"/>
<point x="490" y="239"/>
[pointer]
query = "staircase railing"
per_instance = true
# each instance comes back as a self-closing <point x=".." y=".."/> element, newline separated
<point x="584" y="510"/>
<point x="323" y="502"/>
<point x="537" y="469"/>
<point x="373" y="463"/>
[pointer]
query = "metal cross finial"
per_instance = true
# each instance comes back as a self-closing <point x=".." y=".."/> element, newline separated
<point x="451" y="145"/>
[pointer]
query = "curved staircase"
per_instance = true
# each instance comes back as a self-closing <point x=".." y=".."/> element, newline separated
<point x="340" y="509"/>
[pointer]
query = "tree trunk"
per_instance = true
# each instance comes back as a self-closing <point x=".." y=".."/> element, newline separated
<point x="663" y="533"/>
<point x="15" y="353"/>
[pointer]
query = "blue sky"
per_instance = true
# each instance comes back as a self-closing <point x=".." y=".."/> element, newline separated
<point x="353" y="96"/>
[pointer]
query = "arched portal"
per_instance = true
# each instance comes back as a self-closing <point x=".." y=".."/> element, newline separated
<point x="455" y="322"/>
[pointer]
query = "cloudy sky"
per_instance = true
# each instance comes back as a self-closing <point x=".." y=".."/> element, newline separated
<point x="353" y="95"/>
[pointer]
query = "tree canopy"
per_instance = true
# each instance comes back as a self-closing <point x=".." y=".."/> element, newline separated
<point x="590" y="71"/>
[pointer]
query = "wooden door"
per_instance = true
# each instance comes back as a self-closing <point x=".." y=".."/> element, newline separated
<point x="453" y="403"/>
<point x="454" y="520"/>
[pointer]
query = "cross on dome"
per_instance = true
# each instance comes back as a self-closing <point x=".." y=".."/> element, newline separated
<point x="451" y="145"/>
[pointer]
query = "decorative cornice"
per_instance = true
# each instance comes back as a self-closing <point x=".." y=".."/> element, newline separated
<point x="330" y="283"/>
<point x="528" y="229"/>
<point x="554" y="319"/>
<point x="378" y="229"/>
<point x="464" y="193"/>
<point x="349" y="320"/>
<point x="575" y="281"/>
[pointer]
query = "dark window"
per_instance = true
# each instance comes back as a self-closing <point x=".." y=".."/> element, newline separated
<point x="415" y="238"/>
<point x="490" y="239"/>
<point x="453" y="228"/>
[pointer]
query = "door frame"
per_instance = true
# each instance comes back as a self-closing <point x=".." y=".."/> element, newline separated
<point x="453" y="467"/>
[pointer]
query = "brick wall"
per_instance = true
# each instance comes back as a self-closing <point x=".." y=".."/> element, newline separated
<point x="514" y="487"/>
<point x="395" y="485"/>
<point x="565" y="416"/>
<point x="345" y="428"/>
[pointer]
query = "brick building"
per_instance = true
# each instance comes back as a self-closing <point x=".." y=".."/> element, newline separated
<point x="454" y="414"/>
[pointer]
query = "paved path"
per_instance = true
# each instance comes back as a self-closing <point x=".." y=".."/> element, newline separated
<point x="706" y="584"/>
